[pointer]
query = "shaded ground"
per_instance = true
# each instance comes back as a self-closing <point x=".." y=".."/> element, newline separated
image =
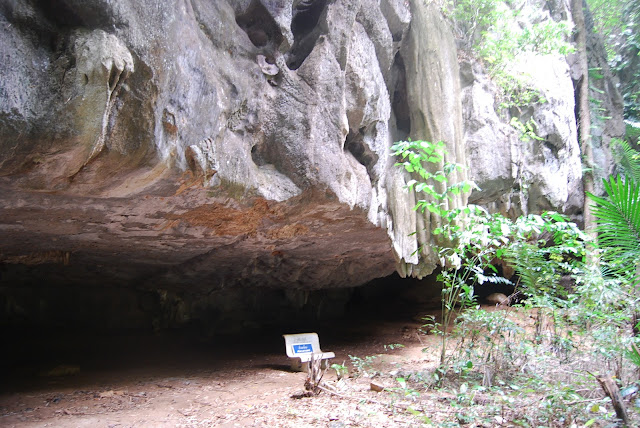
<point x="139" y="380"/>
<point x="85" y="380"/>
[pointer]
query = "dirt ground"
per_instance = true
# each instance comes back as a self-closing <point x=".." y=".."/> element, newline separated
<point x="240" y="381"/>
<point x="180" y="380"/>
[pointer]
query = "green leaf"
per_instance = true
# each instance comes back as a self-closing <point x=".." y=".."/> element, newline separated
<point x="434" y="209"/>
<point x="627" y="158"/>
<point x="618" y="218"/>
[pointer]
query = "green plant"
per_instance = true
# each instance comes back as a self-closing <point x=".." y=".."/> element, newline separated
<point x="527" y="130"/>
<point x="464" y="265"/>
<point x="618" y="227"/>
<point x="632" y="131"/>
<point x="393" y="346"/>
<point x="504" y="41"/>
<point x="516" y="92"/>
<point x="427" y="161"/>
<point x="628" y="159"/>
<point x="589" y="314"/>
<point x="405" y="390"/>
<point x="633" y="354"/>
<point x="492" y="31"/>
<point x="540" y="263"/>
<point x="467" y="252"/>
<point x="430" y="325"/>
<point x="363" y="365"/>
<point x="618" y="218"/>
<point x="341" y="370"/>
<point x="489" y="343"/>
<point x="608" y="21"/>
<point x="617" y="21"/>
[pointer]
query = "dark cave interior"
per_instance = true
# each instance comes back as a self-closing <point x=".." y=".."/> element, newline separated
<point x="97" y="332"/>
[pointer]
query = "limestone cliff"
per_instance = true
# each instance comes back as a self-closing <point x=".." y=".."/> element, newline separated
<point x="193" y="145"/>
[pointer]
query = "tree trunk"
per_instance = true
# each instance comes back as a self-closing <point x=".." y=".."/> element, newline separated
<point x="584" y="114"/>
<point x="611" y="389"/>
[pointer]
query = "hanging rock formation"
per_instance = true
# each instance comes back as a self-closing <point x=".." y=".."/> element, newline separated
<point x="180" y="148"/>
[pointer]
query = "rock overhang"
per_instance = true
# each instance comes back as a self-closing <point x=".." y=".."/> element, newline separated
<point x="184" y="238"/>
<point x="281" y="112"/>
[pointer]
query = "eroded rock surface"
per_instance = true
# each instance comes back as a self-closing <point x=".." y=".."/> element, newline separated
<point x="186" y="147"/>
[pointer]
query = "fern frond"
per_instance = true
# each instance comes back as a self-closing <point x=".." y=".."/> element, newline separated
<point x="530" y="264"/>
<point x="628" y="158"/>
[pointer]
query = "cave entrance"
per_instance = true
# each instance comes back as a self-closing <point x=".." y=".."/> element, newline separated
<point x="80" y="375"/>
<point x="74" y="350"/>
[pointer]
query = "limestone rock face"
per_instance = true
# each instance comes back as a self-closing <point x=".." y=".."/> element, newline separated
<point x="229" y="104"/>
<point x="519" y="173"/>
<point x="432" y="82"/>
<point x="102" y="65"/>
<point x="191" y="147"/>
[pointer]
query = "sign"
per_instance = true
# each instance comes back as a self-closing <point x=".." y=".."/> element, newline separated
<point x="302" y="348"/>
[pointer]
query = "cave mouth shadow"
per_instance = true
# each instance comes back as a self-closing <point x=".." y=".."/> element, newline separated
<point x="113" y="355"/>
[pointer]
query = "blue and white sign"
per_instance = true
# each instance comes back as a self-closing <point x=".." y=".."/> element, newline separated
<point x="302" y="348"/>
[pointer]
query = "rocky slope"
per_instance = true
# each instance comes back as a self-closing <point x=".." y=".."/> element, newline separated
<point x="175" y="149"/>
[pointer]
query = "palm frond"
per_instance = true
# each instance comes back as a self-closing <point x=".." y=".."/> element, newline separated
<point x="618" y="217"/>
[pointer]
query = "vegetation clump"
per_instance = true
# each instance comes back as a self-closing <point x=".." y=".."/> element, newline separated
<point x="583" y="329"/>
<point x="567" y="350"/>
<point x="493" y="32"/>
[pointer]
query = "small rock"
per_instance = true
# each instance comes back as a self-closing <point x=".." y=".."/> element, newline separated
<point x="497" y="299"/>
<point x="376" y="386"/>
<point x="266" y="67"/>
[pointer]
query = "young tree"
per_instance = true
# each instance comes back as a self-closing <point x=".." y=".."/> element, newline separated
<point x="584" y="114"/>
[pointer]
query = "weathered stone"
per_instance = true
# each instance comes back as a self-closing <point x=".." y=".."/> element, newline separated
<point x="516" y="173"/>
<point x="433" y="96"/>
<point x="185" y="148"/>
<point x="520" y="174"/>
<point x="492" y="145"/>
<point x="102" y="66"/>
